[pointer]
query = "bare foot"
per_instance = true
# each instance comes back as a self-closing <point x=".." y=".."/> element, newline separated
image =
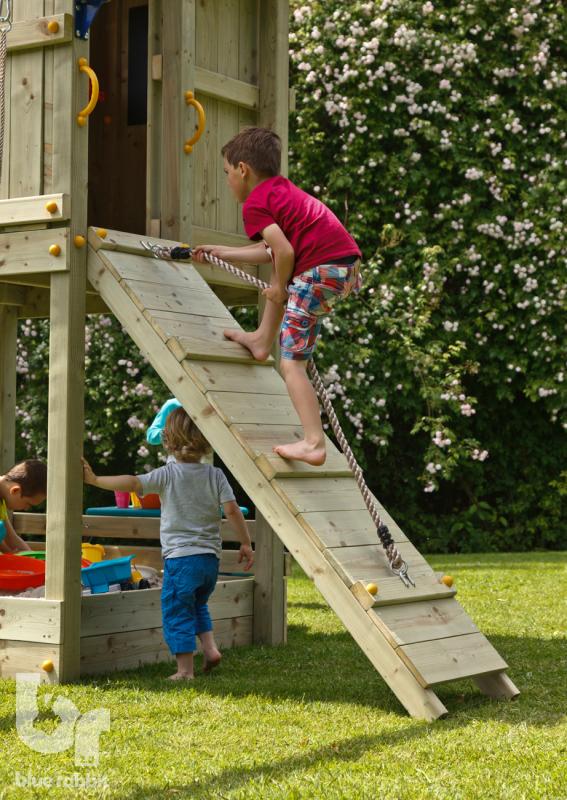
<point x="303" y="451"/>
<point x="181" y="676"/>
<point x="211" y="660"/>
<point x="250" y="341"/>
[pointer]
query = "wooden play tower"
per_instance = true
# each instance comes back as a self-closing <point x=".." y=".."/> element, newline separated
<point x="141" y="175"/>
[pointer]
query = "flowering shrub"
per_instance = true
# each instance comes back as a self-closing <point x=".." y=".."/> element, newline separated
<point x="436" y="132"/>
<point x="122" y="395"/>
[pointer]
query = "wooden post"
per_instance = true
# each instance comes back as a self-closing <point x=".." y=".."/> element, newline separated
<point x="274" y="70"/>
<point x="270" y="596"/>
<point x="66" y="371"/>
<point x="270" y="601"/>
<point x="8" y="352"/>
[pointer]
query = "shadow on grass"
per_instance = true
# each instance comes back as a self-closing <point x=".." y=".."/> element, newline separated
<point x="320" y="667"/>
<point x="233" y="778"/>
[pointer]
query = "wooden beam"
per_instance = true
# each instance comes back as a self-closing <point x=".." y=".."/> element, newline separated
<point x="66" y="367"/>
<point x="27" y="252"/>
<point x="27" y="34"/>
<point x="221" y="87"/>
<point x="116" y="527"/>
<point x="274" y="70"/>
<point x="23" y="210"/>
<point x="8" y="353"/>
<point x="16" y="656"/>
<point x="12" y="295"/>
<point x="270" y="596"/>
<point x="26" y="619"/>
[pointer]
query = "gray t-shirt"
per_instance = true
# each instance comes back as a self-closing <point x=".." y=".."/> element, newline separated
<point x="191" y="496"/>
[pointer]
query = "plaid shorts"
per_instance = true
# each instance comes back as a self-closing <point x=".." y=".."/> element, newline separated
<point x="312" y="295"/>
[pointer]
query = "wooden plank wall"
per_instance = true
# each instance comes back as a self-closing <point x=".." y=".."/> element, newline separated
<point x="226" y="43"/>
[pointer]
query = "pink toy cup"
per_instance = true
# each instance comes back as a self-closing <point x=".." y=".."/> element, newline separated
<point x="122" y="499"/>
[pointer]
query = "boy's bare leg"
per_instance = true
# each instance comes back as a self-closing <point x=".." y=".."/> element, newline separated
<point x="184" y="667"/>
<point x="211" y="653"/>
<point x="261" y="341"/>
<point x="311" y="448"/>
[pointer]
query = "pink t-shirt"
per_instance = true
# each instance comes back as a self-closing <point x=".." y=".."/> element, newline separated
<point x="311" y="228"/>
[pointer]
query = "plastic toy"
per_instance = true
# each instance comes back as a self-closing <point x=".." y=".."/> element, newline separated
<point x="18" y="574"/>
<point x="99" y="576"/>
<point x="3" y="531"/>
<point x="150" y="501"/>
<point x="40" y="556"/>
<point x="93" y="552"/>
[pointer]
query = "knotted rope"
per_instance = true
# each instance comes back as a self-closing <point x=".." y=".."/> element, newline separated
<point x="395" y="560"/>
<point x="5" y="27"/>
<point x="3" y="52"/>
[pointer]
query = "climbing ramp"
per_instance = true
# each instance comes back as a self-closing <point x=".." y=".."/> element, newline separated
<point x="415" y="637"/>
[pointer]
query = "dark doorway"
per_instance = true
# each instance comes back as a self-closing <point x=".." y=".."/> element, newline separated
<point x="117" y="128"/>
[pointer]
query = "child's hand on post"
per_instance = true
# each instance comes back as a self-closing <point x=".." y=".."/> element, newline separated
<point x="246" y="554"/>
<point x="276" y="294"/>
<point x="88" y="474"/>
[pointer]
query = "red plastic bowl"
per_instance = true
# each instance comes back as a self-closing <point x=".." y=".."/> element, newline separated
<point x="150" y="501"/>
<point x="18" y="573"/>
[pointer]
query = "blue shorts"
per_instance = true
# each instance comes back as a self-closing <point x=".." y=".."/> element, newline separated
<point x="311" y="296"/>
<point x="188" y="583"/>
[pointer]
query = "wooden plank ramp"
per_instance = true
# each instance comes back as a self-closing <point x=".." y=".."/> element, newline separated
<point x="415" y="637"/>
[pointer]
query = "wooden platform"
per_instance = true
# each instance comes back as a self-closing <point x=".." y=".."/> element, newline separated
<point x="415" y="637"/>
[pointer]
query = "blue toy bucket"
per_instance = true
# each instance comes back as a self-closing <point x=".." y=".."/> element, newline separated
<point x="99" y="576"/>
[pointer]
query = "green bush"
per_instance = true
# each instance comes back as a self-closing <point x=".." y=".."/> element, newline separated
<point x="436" y="132"/>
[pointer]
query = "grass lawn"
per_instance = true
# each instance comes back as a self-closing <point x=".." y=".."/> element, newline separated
<point x="314" y="720"/>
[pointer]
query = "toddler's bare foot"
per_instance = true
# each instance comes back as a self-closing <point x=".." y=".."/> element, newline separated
<point x="303" y="451"/>
<point x="250" y="341"/>
<point x="211" y="660"/>
<point x="181" y="676"/>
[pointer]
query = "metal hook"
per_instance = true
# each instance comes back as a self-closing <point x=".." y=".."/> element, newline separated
<point x="158" y="250"/>
<point x="404" y="576"/>
<point x="5" y="21"/>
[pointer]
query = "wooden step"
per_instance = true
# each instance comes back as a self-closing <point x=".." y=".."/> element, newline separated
<point x="368" y="564"/>
<point x="247" y="407"/>
<point x="125" y="266"/>
<point x="345" y="528"/>
<point x="222" y="377"/>
<point x="258" y="441"/>
<point x="452" y="658"/>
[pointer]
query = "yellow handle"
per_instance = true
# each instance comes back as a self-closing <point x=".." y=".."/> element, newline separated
<point x="135" y="500"/>
<point x="89" y="108"/>
<point x="190" y="100"/>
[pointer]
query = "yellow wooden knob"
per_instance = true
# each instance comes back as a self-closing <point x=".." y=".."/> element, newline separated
<point x="102" y="232"/>
<point x="47" y="666"/>
<point x="188" y="97"/>
<point x="52" y="207"/>
<point x="447" y="580"/>
<point x="81" y="120"/>
<point x="55" y="250"/>
<point x="372" y="588"/>
<point x="83" y="62"/>
<point x="79" y="240"/>
<point x="187" y="148"/>
<point x="53" y="26"/>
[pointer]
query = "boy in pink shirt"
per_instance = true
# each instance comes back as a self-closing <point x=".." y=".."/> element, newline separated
<point x="315" y="262"/>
